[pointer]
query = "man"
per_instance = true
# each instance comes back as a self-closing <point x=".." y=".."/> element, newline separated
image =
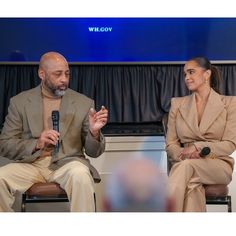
<point x="29" y="140"/>
<point x="137" y="185"/>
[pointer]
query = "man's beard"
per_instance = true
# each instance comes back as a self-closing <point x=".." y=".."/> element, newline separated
<point x="55" y="90"/>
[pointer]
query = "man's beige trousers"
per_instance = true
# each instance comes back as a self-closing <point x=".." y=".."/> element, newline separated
<point x="74" y="177"/>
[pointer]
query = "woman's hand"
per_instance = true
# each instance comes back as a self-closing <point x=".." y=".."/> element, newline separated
<point x="189" y="153"/>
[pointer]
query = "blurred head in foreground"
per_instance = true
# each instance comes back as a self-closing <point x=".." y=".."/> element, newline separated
<point x="137" y="185"/>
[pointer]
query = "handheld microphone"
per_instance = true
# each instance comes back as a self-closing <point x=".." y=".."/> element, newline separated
<point x="55" y="125"/>
<point x="204" y="152"/>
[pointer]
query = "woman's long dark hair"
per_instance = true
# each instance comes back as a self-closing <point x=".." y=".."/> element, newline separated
<point x="215" y="78"/>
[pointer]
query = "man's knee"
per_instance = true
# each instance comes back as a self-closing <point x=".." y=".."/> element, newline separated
<point x="5" y="171"/>
<point x="80" y="174"/>
<point x="4" y="177"/>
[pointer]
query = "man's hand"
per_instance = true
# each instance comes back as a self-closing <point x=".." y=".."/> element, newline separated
<point x="47" y="138"/>
<point x="97" y="120"/>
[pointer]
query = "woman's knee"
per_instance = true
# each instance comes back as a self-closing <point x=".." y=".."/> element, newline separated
<point x="183" y="165"/>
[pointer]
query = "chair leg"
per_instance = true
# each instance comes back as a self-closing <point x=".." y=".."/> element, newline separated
<point x="229" y="204"/>
<point x="23" y="201"/>
<point x="95" y="203"/>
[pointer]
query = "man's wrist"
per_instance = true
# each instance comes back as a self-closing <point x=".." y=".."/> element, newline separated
<point x="95" y="134"/>
<point x="35" y="149"/>
<point x="37" y="146"/>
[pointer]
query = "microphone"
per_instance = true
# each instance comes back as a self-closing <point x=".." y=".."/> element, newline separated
<point x="55" y="125"/>
<point x="204" y="152"/>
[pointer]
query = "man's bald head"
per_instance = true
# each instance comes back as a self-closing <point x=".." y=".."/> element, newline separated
<point x="49" y="59"/>
<point x="54" y="73"/>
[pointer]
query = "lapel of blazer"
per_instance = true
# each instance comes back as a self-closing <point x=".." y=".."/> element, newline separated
<point x="67" y="110"/>
<point x="188" y="111"/>
<point x="212" y="110"/>
<point x="34" y="112"/>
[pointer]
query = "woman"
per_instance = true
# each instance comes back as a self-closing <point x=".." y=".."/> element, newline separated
<point x="203" y="119"/>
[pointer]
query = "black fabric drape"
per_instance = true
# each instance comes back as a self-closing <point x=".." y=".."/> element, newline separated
<point x="13" y="80"/>
<point x="132" y="93"/>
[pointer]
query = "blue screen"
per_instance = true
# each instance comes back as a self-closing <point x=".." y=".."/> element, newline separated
<point x="118" y="39"/>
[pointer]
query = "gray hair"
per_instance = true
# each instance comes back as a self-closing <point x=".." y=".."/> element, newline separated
<point x="137" y="185"/>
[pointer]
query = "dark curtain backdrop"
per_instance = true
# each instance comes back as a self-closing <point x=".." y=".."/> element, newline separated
<point x="132" y="93"/>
